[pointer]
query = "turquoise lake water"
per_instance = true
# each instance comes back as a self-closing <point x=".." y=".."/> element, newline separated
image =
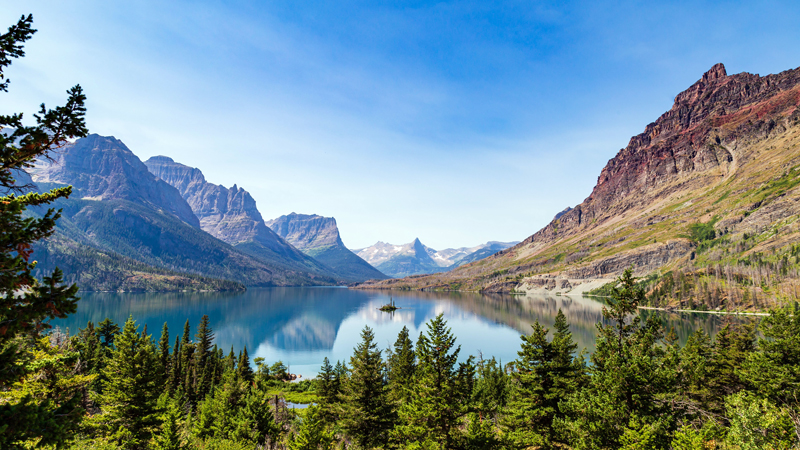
<point x="301" y="326"/>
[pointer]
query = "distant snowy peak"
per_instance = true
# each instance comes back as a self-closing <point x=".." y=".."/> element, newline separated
<point x="415" y="258"/>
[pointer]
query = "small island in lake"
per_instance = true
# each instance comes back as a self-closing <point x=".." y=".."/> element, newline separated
<point x="389" y="307"/>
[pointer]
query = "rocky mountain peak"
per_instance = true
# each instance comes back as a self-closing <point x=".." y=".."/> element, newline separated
<point x="717" y="71"/>
<point x="103" y="168"/>
<point x="307" y="231"/>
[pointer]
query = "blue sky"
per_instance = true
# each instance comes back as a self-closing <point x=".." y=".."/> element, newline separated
<point x="454" y="122"/>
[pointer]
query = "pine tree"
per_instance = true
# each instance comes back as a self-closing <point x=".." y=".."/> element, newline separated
<point x="366" y="414"/>
<point x="243" y="369"/>
<point x="163" y="353"/>
<point x="107" y="330"/>
<point x="204" y="373"/>
<point x="27" y="304"/>
<point x="774" y="371"/>
<point x="170" y="436"/>
<point x="175" y="374"/>
<point x="440" y="394"/>
<point x="255" y="421"/>
<point x="129" y="399"/>
<point x="327" y="389"/>
<point x="187" y="366"/>
<point x="402" y="363"/>
<point x="545" y="373"/>
<point x="311" y="434"/>
<point x="628" y="373"/>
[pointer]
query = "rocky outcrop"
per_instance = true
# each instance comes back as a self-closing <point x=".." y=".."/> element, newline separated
<point x="319" y="238"/>
<point x="725" y="153"/>
<point x="103" y="168"/>
<point x="230" y="215"/>
<point x="698" y="134"/>
<point x="307" y="231"/>
<point x="125" y="228"/>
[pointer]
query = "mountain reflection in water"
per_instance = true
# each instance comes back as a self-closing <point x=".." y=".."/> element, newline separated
<point x="301" y="326"/>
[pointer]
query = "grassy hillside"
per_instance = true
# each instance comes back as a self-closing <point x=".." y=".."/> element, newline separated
<point x="126" y="231"/>
<point x="720" y="234"/>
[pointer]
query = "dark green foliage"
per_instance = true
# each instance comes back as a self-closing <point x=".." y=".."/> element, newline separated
<point x="204" y="359"/>
<point x="491" y="387"/>
<point x="441" y="389"/>
<point x="401" y="365"/>
<point x="628" y="376"/>
<point x="700" y="232"/>
<point x="545" y="373"/>
<point x="130" y="393"/>
<point x="366" y="412"/>
<point x="28" y="303"/>
<point x="312" y="433"/>
<point x="243" y="369"/>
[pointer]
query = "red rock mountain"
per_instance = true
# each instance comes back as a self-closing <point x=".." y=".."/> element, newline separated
<point x="707" y="159"/>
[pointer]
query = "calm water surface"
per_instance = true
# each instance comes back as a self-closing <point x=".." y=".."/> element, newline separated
<point x="301" y="326"/>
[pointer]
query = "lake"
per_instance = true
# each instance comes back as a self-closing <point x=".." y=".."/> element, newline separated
<point x="301" y="326"/>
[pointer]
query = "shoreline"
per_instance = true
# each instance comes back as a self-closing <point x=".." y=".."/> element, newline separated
<point x="731" y="313"/>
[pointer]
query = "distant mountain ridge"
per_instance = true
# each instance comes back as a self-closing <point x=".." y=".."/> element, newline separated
<point x="318" y="237"/>
<point x="230" y="215"/>
<point x="125" y="229"/>
<point x="724" y="159"/>
<point x="415" y="258"/>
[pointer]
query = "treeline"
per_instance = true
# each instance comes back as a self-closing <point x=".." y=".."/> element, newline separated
<point x="119" y="388"/>
<point x="725" y="276"/>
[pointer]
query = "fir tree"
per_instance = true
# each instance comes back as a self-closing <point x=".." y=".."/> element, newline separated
<point x="187" y="365"/>
<point x="627" y="375"/>
<point x="544" y="374"/>
<point x="366" y="413"/>
<point x="174" y="380"/>
<point x="169" y="438"/>
<point x="129" y="399"/>
<point x="440" y="392"/>
<point x="107" y="330"/>
<point x="163" y="353"/>
<point x="28" y="304"/>
<point x="402" y="363"/>
<point x="204" y="371"/>
<point x="327" y="390"/>
<point x="311" y="434"/>
<point x="243" y="369"/>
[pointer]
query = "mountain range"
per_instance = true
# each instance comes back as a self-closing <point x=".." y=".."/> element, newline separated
<point x="705" y="202"/>
<point x="319" y="238"/>
<point x="126" y="229"/>
<point x="160" y="225"/>
<point x="415" y="258"/>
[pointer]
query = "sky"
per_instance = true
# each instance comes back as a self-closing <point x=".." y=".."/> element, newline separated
<point x="452" y="122"/>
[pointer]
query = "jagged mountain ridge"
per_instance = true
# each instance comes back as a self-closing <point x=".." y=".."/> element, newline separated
<point x="120" y="210"/>
<point x="319" y="238"/>
<point x="231" y="215"/>
<point x="103" y="168"/>
<point x="728" y="145"/>
<point x="415" y="258"/>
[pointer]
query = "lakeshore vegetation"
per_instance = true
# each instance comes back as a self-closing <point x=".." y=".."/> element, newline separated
<point x="114" y="386"/>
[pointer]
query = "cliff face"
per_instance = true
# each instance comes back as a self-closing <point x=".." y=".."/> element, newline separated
<point x="723" y="154"/>
<point x="103" y="168"/>
<point x="318" y="237"/>
<point x="124" y="228"/>
<point x="307" y="232"/>
<point x="686" y="140"/>
<point x="230" y="215"/>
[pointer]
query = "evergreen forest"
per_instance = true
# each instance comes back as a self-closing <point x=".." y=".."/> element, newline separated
<point x="117" y="386"/>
